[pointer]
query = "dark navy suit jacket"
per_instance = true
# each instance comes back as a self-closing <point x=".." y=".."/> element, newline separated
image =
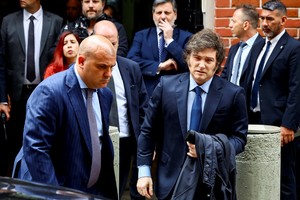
<point x="56" y="143"/>
<point x="165" y="124"/>
<point x="280" y="83"/>
<point x="144" y="51"/>
<point x="227" y="71"/>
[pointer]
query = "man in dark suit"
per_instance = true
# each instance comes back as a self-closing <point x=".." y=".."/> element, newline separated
<point x="243" y="25"/>
<point x="92" y="12"/>
<point x="273" y="87"/>
<point x="169" y="114"/>
<point x="15" y="31"/>
<point x="158" y="50"/>
<point x="58" y="145"/>
<point x="131" y="99"/>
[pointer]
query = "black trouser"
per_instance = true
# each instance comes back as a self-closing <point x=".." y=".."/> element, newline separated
<point x="297" y="144"/>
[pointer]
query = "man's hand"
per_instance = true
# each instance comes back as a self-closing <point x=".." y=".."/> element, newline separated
<point x="167" y="29"/>
<point x="145" y="187"/>
<point x="168" y="65"/>
<point x="6" y="109"/>
<point x="286" y="135"/>
<point x="192" y="150"/>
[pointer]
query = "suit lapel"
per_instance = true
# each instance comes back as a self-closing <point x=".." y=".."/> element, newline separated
<point x="182" y="96"/>
<point x="20" y="30"/>
<point x="231" y="63"/>
<point x="45" y="30"/>
<point x="124" y="71"/>
<point x="77" y="102"/>
<point x="278" y="48"/>
<point x="212" y="101"/>
<point x="258" y="39"/>
<point x="153" y="42"/>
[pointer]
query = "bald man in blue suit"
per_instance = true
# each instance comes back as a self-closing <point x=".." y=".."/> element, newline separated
<point x="57" y="146"/>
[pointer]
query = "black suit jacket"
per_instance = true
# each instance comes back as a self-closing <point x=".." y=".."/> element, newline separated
<point x="279" y="85"/>
<point x="12" y="33"/>
<point x="227" y="71"/>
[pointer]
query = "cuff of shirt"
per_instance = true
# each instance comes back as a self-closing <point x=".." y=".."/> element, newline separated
<point x="144" y="171"/>
<point x="167" y="42"/>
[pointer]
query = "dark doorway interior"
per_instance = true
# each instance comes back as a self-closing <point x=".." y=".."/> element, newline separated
<point x="134" y="15"/>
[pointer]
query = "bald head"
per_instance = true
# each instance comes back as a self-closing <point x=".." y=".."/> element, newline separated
<point x="96" y="44"/>
<point x="109" y="30"/>
<point x="95" y="60"/>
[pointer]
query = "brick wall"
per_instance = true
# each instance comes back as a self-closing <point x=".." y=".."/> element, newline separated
<point x="225" y="8"/>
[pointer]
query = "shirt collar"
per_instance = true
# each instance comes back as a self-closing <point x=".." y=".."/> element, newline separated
<point x="205" y="86"/>
<point x="81" y="83"/>
<point x="37" y="15"/>
<point x="277" y="38"/>
<point x="251" y="40"/>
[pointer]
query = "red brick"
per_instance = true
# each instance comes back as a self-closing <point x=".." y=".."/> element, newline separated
<point x="223" y="32"/>
<point x="290" y="23"/>
<point x="292" y="12"/>
<point x="292" y="32"/>
<point x="291" y="3"/>
<point x="239" y="2"/>
<point x="222" y="22"/>
<point x="224" y="12"/>
<point x="234" y="41"/>
<point x="222" y="3"/>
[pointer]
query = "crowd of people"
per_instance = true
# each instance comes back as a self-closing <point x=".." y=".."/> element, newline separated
<point x="63" y="82"/>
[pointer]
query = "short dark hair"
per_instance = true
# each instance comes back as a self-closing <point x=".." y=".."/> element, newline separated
<point x="275" y="5"/>
<point x="206" y="39"/>
<point x="249" y="14"/>
<point x="158" y="2"/>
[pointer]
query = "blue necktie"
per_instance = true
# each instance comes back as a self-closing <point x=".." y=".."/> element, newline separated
<point x="237" y="66"/>
<point x="96" y="149"/>
<point x="196" y="112"/>
<point x="161" y="45"/>
<point x="254" y="97"/>
<point x="30" y="73"/>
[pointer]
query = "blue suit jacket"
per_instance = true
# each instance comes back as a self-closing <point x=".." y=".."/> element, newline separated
<point x="144" y="51"/>
<point x="135" y="92"/>
<point x="12" y="33"/>
<point x="56" y="143"/>
<point x="279" y="84"/>
<point x="227" y="71"/>
<point x="165" y="124"/>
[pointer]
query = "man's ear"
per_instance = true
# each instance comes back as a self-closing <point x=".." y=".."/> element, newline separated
<point x="283" y="20"/>
<point x="80" y="60"/>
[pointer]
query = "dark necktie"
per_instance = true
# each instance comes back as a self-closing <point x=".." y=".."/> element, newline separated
<point x="237" y="66"/>
<point x="254" y="97"/>
<point x="96" y="151"/>
<point x="196" y="112"/>
<point x="113" y="114"/>
<point x="161" y="44"/>
<point x="30" y="74"/>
